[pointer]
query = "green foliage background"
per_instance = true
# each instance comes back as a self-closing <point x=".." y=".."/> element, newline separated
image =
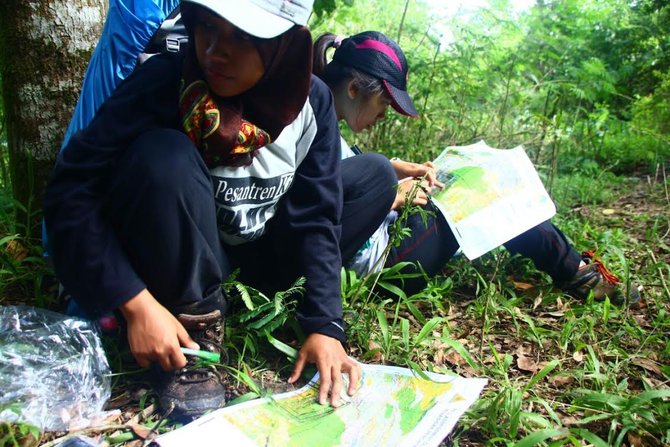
<point x="584" y="86"/>
<point x="577" y="82"/>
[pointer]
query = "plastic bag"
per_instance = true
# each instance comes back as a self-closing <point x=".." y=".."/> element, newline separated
<point x="53" y="369"/>
<point x="79" y="441"/>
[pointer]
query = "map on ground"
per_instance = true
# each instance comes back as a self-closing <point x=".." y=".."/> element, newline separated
<point x="392" y="407"/>
<point x="490" y="195"/>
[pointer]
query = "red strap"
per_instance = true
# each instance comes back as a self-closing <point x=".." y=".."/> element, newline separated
<point x="609" y="276"/>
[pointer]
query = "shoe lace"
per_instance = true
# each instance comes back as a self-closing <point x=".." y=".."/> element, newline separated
<point x="196" y="371"/>
<point x="199" y="370"/>
<point x="600" y="266"/>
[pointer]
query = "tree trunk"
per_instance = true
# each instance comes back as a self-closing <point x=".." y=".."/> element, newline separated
<point x="45" y="46"/>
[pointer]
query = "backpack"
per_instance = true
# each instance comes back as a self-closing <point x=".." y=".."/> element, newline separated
<point x="133" y="30"/>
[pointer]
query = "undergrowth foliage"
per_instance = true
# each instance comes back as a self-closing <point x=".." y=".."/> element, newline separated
<point x="573" y="81"/>
<point x="561" y="371"/>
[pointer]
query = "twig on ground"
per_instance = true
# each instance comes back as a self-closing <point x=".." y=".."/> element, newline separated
<point x="660" y="274"/>
<point x="86" y="432"/>
<point x="665" y="185"/>
<point x="142" y="415"/>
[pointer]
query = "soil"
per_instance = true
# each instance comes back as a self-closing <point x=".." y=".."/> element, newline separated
<point x="643" y="203"/>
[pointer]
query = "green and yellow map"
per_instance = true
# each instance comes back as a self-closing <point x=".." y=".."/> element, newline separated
<point x="490" y="195"/>
<point x="392" y="407"/>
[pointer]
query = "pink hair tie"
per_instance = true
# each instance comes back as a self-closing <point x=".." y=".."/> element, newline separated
<point x="338" y="41"/>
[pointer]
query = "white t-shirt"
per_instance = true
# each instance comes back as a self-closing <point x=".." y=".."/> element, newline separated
<point x="368" y="259"/>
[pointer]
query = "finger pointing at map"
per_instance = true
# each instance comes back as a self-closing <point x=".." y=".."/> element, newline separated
<point x="331" y="360"/>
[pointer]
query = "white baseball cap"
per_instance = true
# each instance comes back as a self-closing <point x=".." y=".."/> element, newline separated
<point x="260" y="18"/>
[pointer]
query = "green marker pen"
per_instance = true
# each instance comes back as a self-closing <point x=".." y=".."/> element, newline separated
<point x="206" y="355"/>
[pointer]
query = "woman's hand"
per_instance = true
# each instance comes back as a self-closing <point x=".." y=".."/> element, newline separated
<point x="416" y="189"/>
<point x="331" y="361"/>
<point x="154" y="334"/>
<point x="416" y="182"/>
<point x="426" y="171"/>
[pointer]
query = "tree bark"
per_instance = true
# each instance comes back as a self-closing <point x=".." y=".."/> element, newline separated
<point x="45" y="46"/>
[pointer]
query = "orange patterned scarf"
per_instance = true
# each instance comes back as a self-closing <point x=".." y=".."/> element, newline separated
<point x="201" y="120"/>
<point x="230" y="131"/>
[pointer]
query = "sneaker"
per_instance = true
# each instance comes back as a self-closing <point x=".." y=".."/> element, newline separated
<point x="198" y="387"/>
<point x="595" y="278"/>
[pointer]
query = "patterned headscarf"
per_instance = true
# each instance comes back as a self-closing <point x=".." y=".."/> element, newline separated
<point x="229" y="131"/>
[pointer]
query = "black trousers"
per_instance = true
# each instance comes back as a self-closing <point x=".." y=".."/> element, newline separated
<point x="163" y="211"/>
<point x="432" y="244"/>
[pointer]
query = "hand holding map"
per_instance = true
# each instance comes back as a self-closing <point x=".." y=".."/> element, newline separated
<point x="490" y="195"/>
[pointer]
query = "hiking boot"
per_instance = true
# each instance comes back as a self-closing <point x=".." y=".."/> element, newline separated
<point x="198" y="387"/>
<point x="594" y="277"/>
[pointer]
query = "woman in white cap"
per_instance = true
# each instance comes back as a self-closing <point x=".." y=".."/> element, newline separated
<point x="224" y="156"/>
<point x="367" y="74"/>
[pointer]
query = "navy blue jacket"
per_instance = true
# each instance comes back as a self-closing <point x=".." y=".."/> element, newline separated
<point x="295" y="180"/>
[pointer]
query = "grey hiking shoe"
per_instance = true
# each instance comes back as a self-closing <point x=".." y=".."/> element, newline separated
<point x="199" y="386"/>
<point x="595" y="278"/>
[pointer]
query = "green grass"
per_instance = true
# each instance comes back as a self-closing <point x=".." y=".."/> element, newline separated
<point x="561" y="372"/>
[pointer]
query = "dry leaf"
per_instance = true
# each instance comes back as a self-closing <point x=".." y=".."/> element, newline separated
<point x="27" y="440"/>
<point x="120" y="401"/>
<point x="559" y="304"/>
<point x="142" y="415"/>
<point x="16" y="250"/>
<point x="439" y="345"/>
<point x="653" y="382"/>
<point x="641" y="320"/>
<point x="537" y="302"/>
<point x="108" y="417"/>
<point x="569" y="420"/>
<point x="526" y="364"/>
<point x="648" y="364"/>
<point x="640" y="305"/>
<point x="97" y="420"/>
<point x="377" y="357"/>
<point x="522" y="286"/>
<point x="635" y="440"/>
<point x="469" y="344"/>
<point x="467" y="371"/>
<point x="454" y="358"/>
<point x="440" y="349"/>
<point x="561" y="381"/>
<point x="141" y="431"/>
<point x="523" y="350"/>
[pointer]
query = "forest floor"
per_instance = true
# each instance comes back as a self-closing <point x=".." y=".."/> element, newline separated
<point x="641" y="204"/>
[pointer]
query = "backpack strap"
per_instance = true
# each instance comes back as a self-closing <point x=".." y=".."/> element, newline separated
<point x="170" y="36"/>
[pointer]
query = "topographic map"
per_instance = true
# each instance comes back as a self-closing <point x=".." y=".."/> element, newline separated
<point x="391" y="408"/>
<point x="490" y="195"/>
